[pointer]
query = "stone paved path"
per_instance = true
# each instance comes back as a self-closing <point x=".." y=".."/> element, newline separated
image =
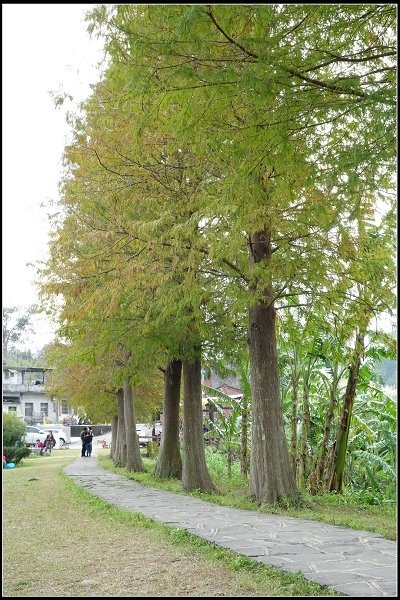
<point x="356" y="563"/>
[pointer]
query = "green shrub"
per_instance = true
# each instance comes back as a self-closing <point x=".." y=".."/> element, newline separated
<point x="13" y="429"/>
<point x="152" y="450"/>
<point x="15" y="454"/>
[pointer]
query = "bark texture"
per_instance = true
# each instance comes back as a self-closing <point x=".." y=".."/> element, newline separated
<point x="244" y="455"/>
<point x="305" y="430"/>
<point x="336" y="484"/>
<point x="169" y="461"/>
<point x="293" y="420"/>
<point x="120" y="444"/>
<point x="134" y="460"/>
<point x="271" y="474"/>
<point x="195" y="475"/>
<point x="114" y="428"/>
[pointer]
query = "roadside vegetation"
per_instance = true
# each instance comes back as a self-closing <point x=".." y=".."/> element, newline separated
<point x="347" y="510"/>
<point x="59" y="540"/>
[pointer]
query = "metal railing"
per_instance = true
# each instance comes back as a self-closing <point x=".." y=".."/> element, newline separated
<point x="24" y="387"/>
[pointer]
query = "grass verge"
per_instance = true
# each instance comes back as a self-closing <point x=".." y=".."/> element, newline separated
<point x="328" y="508"/>
<point x="60" y="540"/>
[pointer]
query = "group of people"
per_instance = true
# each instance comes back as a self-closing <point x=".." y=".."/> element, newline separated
<point x="48" y="443"/>
<point x="86" y="437"/>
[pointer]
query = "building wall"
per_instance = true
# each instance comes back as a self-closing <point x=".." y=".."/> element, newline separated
<point x="36" y="414"/>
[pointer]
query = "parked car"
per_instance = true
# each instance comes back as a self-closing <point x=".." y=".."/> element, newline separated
<point x="58" y="432"/>
<point x="34" y="433"/>
<point x="145" y="432"/>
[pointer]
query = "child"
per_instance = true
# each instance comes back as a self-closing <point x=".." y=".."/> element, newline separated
<point x="40" y="445"/>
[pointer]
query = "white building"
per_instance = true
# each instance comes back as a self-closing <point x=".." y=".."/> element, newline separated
<point x="24" y="393"/>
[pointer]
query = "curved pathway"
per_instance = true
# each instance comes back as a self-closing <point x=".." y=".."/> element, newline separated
<point x="356" y="563"/>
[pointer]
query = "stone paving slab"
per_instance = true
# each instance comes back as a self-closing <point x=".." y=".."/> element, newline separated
<point x="356" y="563"/>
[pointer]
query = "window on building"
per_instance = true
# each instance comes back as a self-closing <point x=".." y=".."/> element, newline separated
<point x="12" y="409"/>
<point x="44" y="409"/>
<point x="7" y="374"/>
<point x="64" y="409"/>
<point x="29" y="409"/>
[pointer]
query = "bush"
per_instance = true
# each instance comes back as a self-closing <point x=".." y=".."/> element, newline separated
<point x="15" y="454"/>
<point x="13" y="429"/>
<point x="152" y="450"/>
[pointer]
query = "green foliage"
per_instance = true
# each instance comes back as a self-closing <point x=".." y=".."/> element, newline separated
<point x="218" y="467"/>
<point x="14" y="454"/>
<point x="372" y="461"/>
<point x="13" y="429"/>
<point x="210" y="124"/>
<point x="152" y="449"/>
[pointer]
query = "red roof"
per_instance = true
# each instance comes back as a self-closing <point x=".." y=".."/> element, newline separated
<point x="230" y="391"/>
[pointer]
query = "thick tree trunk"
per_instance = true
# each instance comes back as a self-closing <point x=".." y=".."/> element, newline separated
<point x="336" y="483"/>
<point x="120" y="443"/>
<point x="195" y="475"/>
<point x="134" y="460"/>
<point x="169" y="462"/>
<point x="272" y="476"/>
<point x="114" y="429"/>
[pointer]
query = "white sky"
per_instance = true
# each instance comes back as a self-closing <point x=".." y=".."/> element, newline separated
<point x="45" y="48"/>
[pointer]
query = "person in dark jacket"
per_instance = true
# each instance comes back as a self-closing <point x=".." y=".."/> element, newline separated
<point x="88" y="442"/>
<point x="83" y="435"/>
<point x="49" y="442"/>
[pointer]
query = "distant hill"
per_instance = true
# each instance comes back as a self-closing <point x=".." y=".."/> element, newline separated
<point x="387" y="370"/>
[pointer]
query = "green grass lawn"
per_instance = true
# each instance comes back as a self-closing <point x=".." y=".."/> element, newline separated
<point x="60" y="540"/>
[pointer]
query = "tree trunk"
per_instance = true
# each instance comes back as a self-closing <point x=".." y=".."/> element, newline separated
<point x="134" y="460"/>
<point x="229" y="459"/>
<point x="293" y="421"/>
<point x="114" y="429"/>
<point x="336" y="483"/>
<point x="195" y="475"/>
<point x="271" y="471"/>
<point x="317" y="474"/>
<point x="120" y="443"/>
<point x="169" y="462"/>
<point x="303" y="454"/>
<point x="244" y="459"/>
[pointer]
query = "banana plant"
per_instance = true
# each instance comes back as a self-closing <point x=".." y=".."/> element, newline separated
<point x="227" y="425"/>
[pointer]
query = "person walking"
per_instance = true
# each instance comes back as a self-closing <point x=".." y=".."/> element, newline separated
<point x="83" y="435"/>
<point x="49" y="442"/>
<point x="88" y="442"/>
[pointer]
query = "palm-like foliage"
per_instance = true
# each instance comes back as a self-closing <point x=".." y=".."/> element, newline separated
<point x="227" y="425"/>
<point x="371" y="464"/>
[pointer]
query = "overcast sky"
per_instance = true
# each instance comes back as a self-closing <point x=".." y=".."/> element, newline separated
<point x="45" y="49"/>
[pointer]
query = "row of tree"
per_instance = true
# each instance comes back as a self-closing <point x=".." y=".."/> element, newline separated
<point x="230" y="181"/>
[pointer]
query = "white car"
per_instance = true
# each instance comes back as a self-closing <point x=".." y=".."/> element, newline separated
<point x="34" y="433"/>
<point x="145" y="432"/>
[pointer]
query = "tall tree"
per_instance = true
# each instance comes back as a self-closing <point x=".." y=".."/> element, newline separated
<point x="314" y="72"/>
<point x="16" y="323"/>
